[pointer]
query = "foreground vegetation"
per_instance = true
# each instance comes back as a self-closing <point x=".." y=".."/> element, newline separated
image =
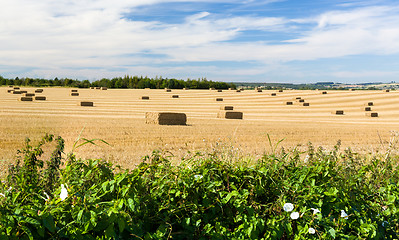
<point x="318" y="194"/>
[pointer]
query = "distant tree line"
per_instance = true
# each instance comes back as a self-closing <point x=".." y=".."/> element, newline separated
<point x="119" y="82"/>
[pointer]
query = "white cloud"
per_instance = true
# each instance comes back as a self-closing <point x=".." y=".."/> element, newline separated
<point x="55" y="37"/>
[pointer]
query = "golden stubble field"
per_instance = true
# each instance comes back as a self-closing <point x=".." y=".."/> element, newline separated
<point x="118" y="118"/>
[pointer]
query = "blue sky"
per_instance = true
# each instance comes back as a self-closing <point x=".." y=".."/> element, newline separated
<point x="292" y="41"/>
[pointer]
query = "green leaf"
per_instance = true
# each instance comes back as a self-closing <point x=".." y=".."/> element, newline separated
<point x="48" y="222"/>
<point x="332" y="232"/>
<point x="121" y="224"/>
<point x="80" y="214"/>
<point x="32" y="221"/>
<point x="131" y="204"/>
<point x="109" y="232"/>
<point x="27" y="232"/>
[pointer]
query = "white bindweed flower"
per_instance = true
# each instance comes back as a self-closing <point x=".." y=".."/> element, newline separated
<point x="315" y="211"/>
<point x="343" y="214"/>
<point x="64" y="192"/>
<point x="312" y="231"/>
<point x="288" y="207"/>
<point x="2" y="194"/>
<point x="197" y="177"/>
<point x="294" y="215"/>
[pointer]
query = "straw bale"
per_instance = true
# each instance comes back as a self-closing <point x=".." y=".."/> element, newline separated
<point x="297" y="98"/>
<point x="185" y="88"/>
<point x="280" y="90"/>
<point x="338" y="112"/>
<point x="26" y="99"/>
<point x="227" y="108"/>
<point x="74" y="94"/>
<point x="38" y="90"/>
<point x="352" y="89"/>
<point x="219" y="99"/>
<point x="145" y="98"/>
<point x="40" y="98"/>
<point x="104" y="88"/>
<point x="372" y="114"/>
<point x="369" y="104"/>
<point x="175" y="96"/>
<point x="16" y="92"/>
<point x="301" y="100"/>
<point x="258" y="90"/>
<point x="211" y="88"/>
<point x="367" y="109"/>
<point x="386" y="90"/>
<point x="86" y="104"/>
<point x="23" y="91"/>
<point x="11" y="86"/>
<point x="16" y="88"/>
<point x="273" y="94"/>
<point x="289" y="103"/>
<point x="165" y="118"/>
<point x="230" y="114"/>
<point x="92" y="87"/>
<point x="168" y="90"/>
<point x="305" y="104"/>
<point x="10" y="90"/>
<point x="98" y="88"/>
<point x="74" y="90"/>
<point x="324" y="92"/>
<point x="29" y="94"/>
<point x="230" y="88"/>
<point x="238" y="90"/>
<point x="220" y="90"/>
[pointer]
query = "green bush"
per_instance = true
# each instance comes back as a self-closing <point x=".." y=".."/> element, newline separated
<point x="333" y="194"/>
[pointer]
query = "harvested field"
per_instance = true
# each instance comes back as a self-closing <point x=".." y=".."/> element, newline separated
<point x="119" y="119"/>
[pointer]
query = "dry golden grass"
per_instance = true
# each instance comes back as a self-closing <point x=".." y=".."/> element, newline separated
<point x="118" y="118"/>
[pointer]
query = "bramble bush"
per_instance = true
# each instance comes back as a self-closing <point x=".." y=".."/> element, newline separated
<point x="316" y="194"/>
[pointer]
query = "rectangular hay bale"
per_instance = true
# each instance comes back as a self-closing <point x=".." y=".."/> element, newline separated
<point x="338" y="112"/>
<point x="230" y="115"/>
<point x="74" y="90"/>
<point x="145" y="98"/>
<point x="305" y="104"/>
<point x="26" y="99"/>
<point x="10" y="90"/>
<point x="86" y="104"/>
<point x="165" y="118"/>
<point x="29" y="94"/>
<point x="227" y="108"/>
<point x="168" y="90"/>
<point x="372" y="114"/>
<point x="301" y="100"/>
<point x="16" y="92"/>
<point x="367" y="109"/>
<point x="219" y="99"/>
<point x="40" y="98"/>
<point x="38" y="90"/>
<point x="289" y="103"/>
<point x="324" y="92"/>
<point x="175" y="96"/>
<point x="104" y="88"/>
<point x="74" y="94"/>
<point x="273" y="94"/>
<point x="369" y="104"/>
<point x="16" y="88"/>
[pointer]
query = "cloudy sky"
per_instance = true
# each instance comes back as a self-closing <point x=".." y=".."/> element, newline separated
<point x="237" y="40"/>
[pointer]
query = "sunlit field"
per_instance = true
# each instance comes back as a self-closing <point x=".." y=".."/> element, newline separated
<point x="118" y="118"/>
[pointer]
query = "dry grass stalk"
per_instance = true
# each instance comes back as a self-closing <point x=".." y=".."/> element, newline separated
<point x="230" y="115"/>
<point x="227" y="108"/>
<point x="165" y="118"/>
